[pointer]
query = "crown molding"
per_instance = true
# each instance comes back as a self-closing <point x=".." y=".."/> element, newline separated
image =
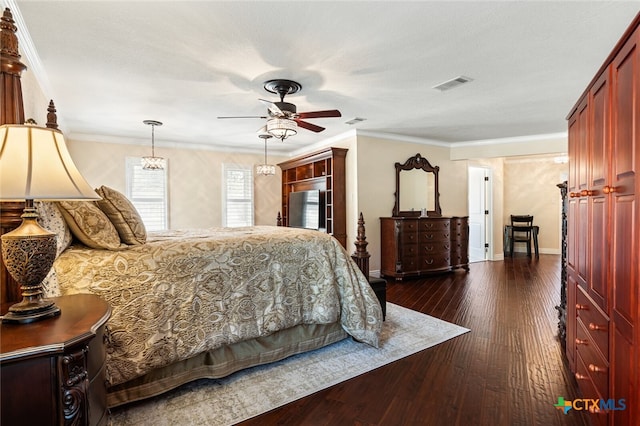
<point x="515" y="139"/>
<point x="28" y="49"/>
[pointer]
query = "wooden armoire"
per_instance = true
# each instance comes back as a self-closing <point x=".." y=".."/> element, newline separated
<point x="603" y="242"/>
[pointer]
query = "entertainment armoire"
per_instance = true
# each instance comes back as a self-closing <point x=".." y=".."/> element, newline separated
<point x="603" y="241"/>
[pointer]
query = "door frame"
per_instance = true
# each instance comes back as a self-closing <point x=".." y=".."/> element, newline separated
<point x="487" y="238"/>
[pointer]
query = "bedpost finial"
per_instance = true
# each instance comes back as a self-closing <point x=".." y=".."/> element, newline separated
<point x="8" y="39"/>
<point x="52" y="117"/>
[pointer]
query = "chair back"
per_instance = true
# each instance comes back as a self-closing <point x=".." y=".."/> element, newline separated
<point x="524" y="221"/>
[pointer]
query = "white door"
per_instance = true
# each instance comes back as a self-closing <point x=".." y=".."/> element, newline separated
<point x="479" y="214"/>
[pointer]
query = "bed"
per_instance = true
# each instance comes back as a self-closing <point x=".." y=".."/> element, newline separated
<point x="191" y="304"/>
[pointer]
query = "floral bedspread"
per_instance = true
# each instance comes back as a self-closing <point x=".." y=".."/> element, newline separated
<point x="185" y="292"/>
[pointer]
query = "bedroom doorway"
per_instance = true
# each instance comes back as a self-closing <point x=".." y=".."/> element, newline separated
<point x="480" y="213"/>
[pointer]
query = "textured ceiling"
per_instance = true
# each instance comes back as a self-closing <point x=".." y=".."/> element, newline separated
<point x="111" y="65"/>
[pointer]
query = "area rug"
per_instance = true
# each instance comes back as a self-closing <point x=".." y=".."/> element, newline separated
<point x="257" y="390"/>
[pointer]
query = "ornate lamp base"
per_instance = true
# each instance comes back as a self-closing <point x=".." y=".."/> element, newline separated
<point x="28" y="252"/>
<point x="20" y="317"/>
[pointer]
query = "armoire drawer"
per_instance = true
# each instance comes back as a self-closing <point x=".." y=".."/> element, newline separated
<point x="589" y="391"/>
<point x="595" y="321"/>
<point x="596" y="366"/>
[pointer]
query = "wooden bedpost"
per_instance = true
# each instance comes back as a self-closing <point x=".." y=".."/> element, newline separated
<point x="361" y="255"/>
<point x="12" y="107"/>
<point x="11" y="112"/>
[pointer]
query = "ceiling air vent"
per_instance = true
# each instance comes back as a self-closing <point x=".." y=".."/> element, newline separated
<point x="355" y="121"/>
<point x="450" y="84"/>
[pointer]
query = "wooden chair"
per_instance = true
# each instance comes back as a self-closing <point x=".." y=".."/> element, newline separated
<point x="521" y="230"/>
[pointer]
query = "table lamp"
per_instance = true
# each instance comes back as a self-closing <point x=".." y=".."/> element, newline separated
<point x="34" y="164"/>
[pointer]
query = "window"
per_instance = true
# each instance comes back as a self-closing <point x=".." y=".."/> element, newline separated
<point x="237" y="197"/>
<point x="147" y="190"/>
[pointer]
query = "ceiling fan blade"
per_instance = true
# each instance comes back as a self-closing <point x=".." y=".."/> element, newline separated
<point x="320" y="114"/>
<point x="273" y="108"/>
<point x="247" y="116"/>
<point x="308" y="126"/>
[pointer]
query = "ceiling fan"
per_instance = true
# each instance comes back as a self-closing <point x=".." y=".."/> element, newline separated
<point x="283" y="118"/>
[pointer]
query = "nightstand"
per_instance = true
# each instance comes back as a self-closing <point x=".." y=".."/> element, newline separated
<point x="52" y="372"/>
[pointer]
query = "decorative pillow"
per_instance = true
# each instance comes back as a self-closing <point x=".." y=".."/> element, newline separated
<point x="123" y="215"/>
<point x="50" y="285"/>
<point x="52" y="220"/>
<point x="90" y="225"/>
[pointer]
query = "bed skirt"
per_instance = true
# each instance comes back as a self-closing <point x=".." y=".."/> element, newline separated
<point x="226" y="360"/>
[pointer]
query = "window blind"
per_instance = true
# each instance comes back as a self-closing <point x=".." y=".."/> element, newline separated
<point x="147" y="190"/>
<point x="238" y="195"/>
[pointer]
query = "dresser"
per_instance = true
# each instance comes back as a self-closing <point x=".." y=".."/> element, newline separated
<point x="603" y="231"/>
<point x="415" y="246"/>
<point x="52" y="372"/>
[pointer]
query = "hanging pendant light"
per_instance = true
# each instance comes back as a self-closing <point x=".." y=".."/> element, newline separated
<point x="153" y="162"/>
<point x="265" y="169"/>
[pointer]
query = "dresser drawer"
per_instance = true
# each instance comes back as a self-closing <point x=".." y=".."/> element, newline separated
<point x="406" y="238"/>
<point x="432" y="236"/>
<point x="435" y="262"/>
<point x="435" y="225"/>
<point x="435" y="249"/>
<point x="407" y="226"/>
<point x="595" y="321"/>
<point x="596" y="367"/>
<point x="407" y="264"/>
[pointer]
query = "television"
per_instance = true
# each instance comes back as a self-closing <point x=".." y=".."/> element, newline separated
<point x="306" y="209"/>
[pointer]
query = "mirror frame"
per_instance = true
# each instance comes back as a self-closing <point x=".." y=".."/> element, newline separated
<point x="417" y="162"/>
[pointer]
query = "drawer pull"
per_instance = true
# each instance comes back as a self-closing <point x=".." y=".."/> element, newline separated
<point x="596" y="327"/>
<point x="594" y="409"/>
<point x="580" y="307"/>
<point x="581" y="376"/>
<point x="609" y="189"/>
<point x="582" y="342"/>
<point x="574" y="194"/>
<point x="586" y="193"/>
<point x="595" y="369"/>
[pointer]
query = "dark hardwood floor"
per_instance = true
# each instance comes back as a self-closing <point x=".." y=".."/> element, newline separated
<point x="508" y="370"/>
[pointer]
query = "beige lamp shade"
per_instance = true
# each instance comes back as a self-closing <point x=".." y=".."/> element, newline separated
<point x="35" y="164"/>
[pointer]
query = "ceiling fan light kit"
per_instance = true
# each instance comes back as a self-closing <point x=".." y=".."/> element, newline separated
<point x="282" y="128"/>
<point x="283" y="119"/>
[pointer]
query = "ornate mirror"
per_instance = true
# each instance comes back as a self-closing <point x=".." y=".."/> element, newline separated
<point x="417" y="188"/>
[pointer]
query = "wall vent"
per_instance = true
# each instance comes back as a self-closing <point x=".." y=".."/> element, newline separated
<point x="454" y="82"/>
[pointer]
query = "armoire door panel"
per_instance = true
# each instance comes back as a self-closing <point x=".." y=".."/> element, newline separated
<point x="583" y="240"/>
<point x="599" y="137"/>
<point x="598" y="279"/>
<point x="623" y="260"/>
